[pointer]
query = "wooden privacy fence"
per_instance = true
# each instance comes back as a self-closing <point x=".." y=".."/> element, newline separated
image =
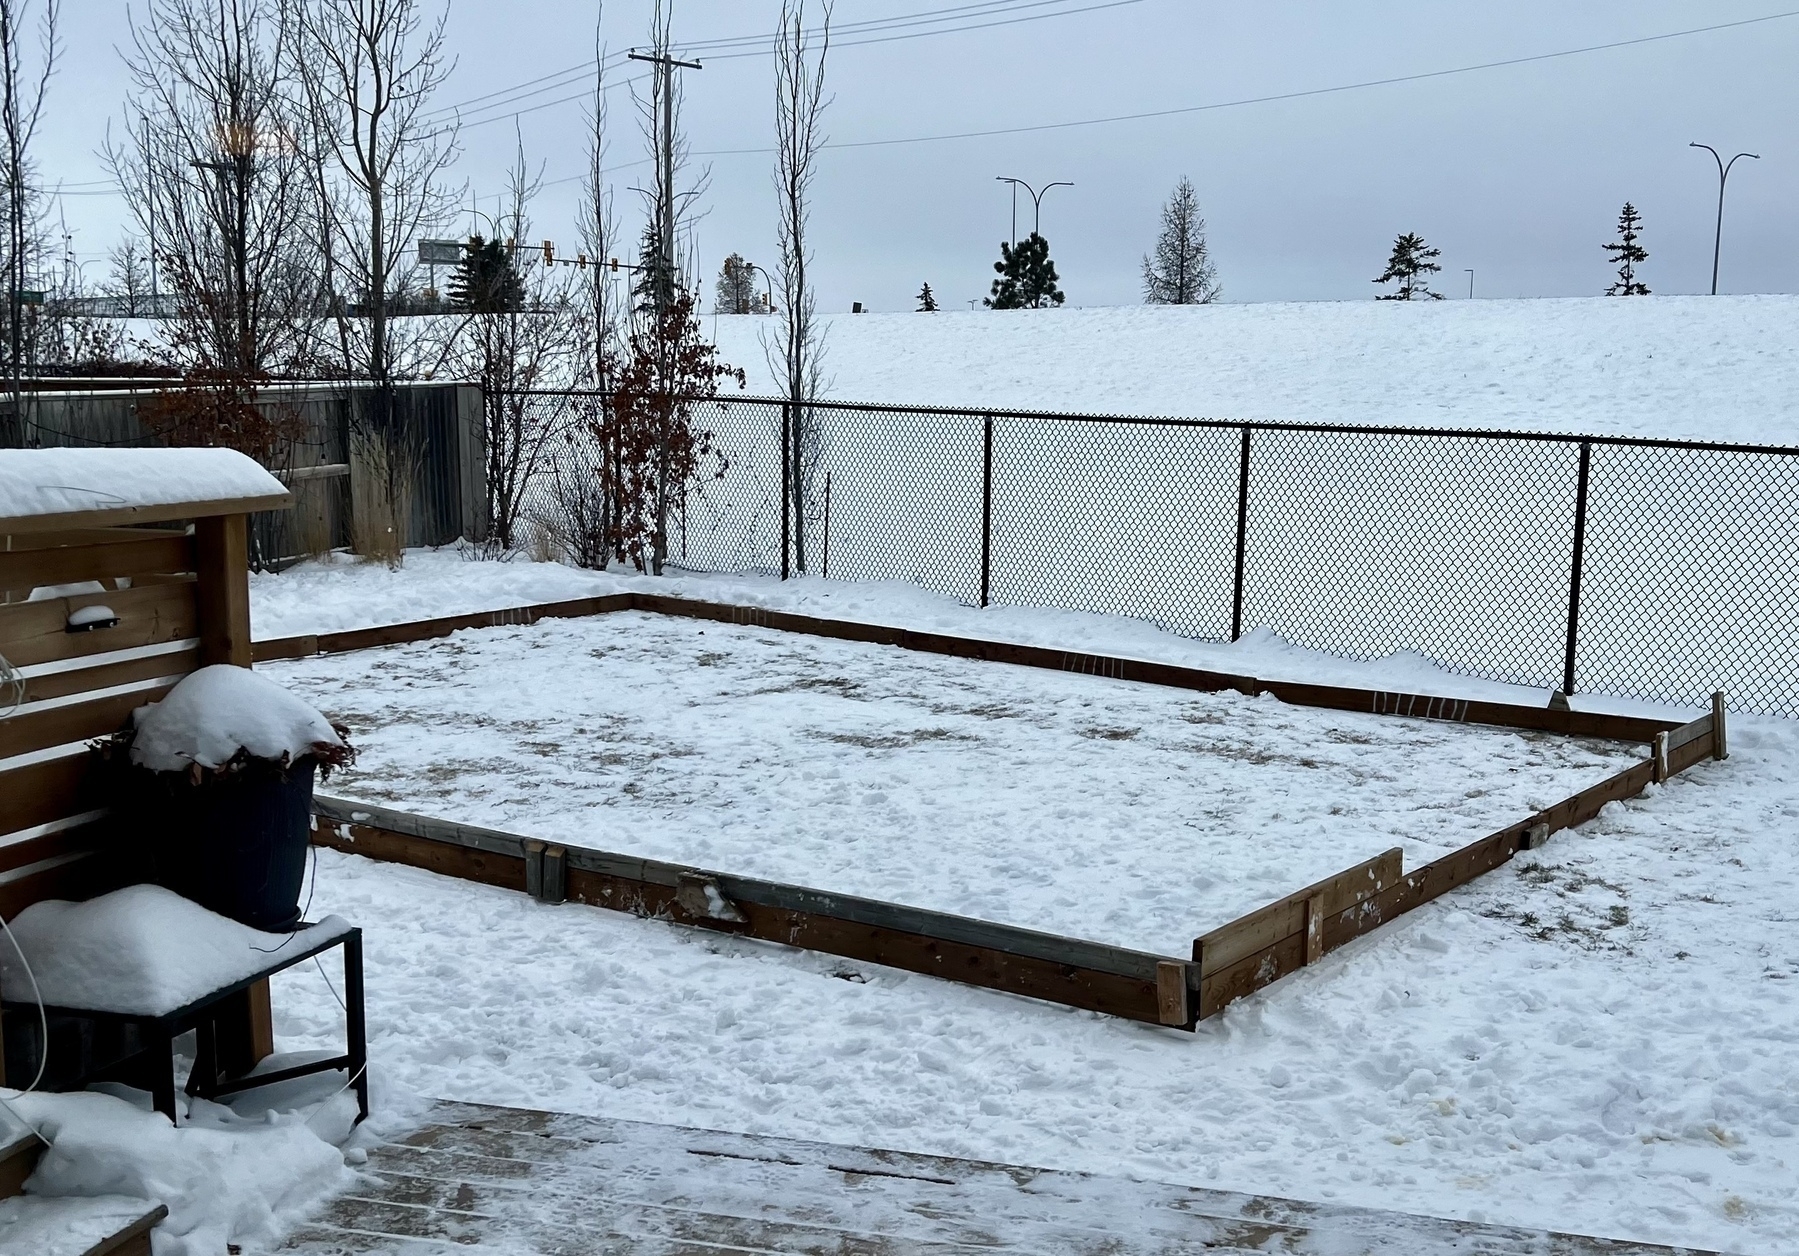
<point x="1227" y="963"/>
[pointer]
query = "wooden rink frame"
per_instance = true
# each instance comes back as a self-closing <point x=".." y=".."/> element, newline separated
<point x="1226" y="964"/>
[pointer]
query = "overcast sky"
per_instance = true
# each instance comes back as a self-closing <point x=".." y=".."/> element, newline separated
<point x="1517" y="172"/>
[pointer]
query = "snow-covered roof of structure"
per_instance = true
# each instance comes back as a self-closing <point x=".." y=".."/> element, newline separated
<point x="57" y="488"/>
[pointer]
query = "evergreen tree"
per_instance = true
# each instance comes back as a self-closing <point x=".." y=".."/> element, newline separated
<point x="486" y="282"/>
<point x="927" y="300"/>
<point x="1027" y="277"/>
<point x="1181" y="272"/>
<point x="1626" y="253"/>
<point x="737" y="287"/>
<point x="1411" y="263"/>
<point x="658" y="280"/>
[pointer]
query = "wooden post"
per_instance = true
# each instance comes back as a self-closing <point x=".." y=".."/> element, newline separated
<point x="1314" y="929"/>
<point x="1720" y="746"/>
<point x="1172" y="1007"/>
<point x="1661" y="758"/>
<point x="222" y="559"/>
<point x="222" y="563"/>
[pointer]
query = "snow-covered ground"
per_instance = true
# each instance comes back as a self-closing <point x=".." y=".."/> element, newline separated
<point x="1600" y="1036"/>
<point x="1130" y="814"/>
<point x="1701" y="368"/>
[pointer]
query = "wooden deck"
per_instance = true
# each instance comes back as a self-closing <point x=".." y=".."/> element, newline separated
<point x="520" y="1183"/>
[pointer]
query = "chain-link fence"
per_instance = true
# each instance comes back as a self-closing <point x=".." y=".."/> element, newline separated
<point x="1642" y="568"/>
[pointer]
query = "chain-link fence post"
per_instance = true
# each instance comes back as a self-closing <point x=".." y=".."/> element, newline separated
<point x="1580" y="545"/>
<point x="786" y="485"/>
<point x="1242" y="534"/>
<point x="986" y="506"/>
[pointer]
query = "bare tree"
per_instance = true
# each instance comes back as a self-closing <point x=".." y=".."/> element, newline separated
<point x="796" y="354"/>
<point x="367" y="70"/>
<point x="23" y="87"/>
<point x="510" y="350"/>
<point x="213" y="167"/>
<point x="128" y="278"/>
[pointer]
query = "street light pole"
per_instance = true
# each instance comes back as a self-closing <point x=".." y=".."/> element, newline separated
<point x="1723" y="174"/>
<point x="1036" y="202"/>
<point x="1470" y="271"/>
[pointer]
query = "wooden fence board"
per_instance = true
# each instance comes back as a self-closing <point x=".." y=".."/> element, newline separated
<point x="38" y="730"/>
<point x="35" y="632"/>
<point x="76" y="839"/>
<point x="49" y="790"/>
<point x="130" y="554"/>
<point x="106" y="675"/>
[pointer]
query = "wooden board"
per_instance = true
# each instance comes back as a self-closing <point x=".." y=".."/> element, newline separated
<point x="106" y="675"/>
<point x="48" y="790"/>
<point x="222" y="568"/>
<point x="1377" y="702"/>
<point x="19" y="525"/>
<point x="128" y="554"/>
<point x="36" y="632"/>
<point x="77" y="721"/>
<point x="1069" y="971"/>
<point x="477" y="1178"/>
<point x="1285" y="917"/>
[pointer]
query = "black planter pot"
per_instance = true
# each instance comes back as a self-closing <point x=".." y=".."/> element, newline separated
<point x="235" y="844"/>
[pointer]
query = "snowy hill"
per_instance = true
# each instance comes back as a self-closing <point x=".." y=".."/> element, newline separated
<point x="1703" y="368"/>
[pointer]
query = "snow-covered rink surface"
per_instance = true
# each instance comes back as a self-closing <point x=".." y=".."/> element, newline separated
<point x="1601" y="1036"/>
<point x="1126" y="813"/>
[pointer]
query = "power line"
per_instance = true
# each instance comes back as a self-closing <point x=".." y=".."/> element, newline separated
<point x="1279" y="96"/>
<point x="763" y="52"/>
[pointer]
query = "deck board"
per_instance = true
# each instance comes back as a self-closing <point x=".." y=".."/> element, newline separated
<point x="515" y="1182"/>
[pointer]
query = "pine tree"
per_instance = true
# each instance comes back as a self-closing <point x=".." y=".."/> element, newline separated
<point x="1627" y="253"/>
<point x="1411" y="262"/>
<point x="1027" y="277"/>
<point x="486" y="282"/>
<point x="927" y="300"/>
<point x="1181" y="273"/>
<point x="658" y="280"/>
<point x="737" y="287"/>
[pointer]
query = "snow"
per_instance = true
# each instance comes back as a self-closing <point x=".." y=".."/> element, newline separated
<point x="217" y="712"/>
<point x="316" y="597"/>
<point x="1700" y="368"/>
<point x="224" y="1178"/>
<point x="1129" y="814"/>
<point x="38" y="1226"/>
<point x="142" y="950"/>
<point x="1598" y="1037"/>
<point x="60" y="481"/>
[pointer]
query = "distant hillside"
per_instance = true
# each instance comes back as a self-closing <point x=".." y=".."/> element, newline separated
<point x="1707" y="368"/>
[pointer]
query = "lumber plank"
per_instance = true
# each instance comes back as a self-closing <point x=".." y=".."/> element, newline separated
<point x="19" y="525"/>
<point x="106" y="675"/>
<point x="77" y="721"/>
<point x="128" y="554"/>
<point x="1262" y="928"/>
<point x="11" y="543"/>
<point x="76" y="875"/>
<point x="51" y="789"/>
<point x="1251" y="973"/>
<point x="36" y="632"/>
<point x="860" y="929"/>
<point x="1689" y="755"/>
<point x="78" y="839"/>
<point x="1699" y="728"/>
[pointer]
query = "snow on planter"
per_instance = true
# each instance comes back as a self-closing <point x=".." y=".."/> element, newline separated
<point x="141" y="951"/>
<point x="222" y="715"/>
<point x="37" y="482"/>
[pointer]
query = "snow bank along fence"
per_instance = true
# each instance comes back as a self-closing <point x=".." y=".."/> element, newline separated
<point x="175" y="599"/>
<point x="1226" y="964"/>
<point x="326" y="467"/>
<point x="1643" y="568"/>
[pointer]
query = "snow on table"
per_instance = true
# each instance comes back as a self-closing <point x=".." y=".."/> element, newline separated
<point x="142" y="951"/>
<point x="1130" y="814"/>
<point x="63" y="481"/>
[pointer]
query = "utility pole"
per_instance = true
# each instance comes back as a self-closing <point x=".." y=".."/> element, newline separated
<point x="665" y="187"/>
<point x="1723" y="174"/>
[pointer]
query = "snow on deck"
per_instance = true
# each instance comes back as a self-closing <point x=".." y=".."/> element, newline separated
<point x="1699" y="368"/>
<point x="63" y="481"/>
<point x="1125" y="813"/>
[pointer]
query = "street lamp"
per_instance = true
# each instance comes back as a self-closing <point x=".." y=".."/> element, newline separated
<point x="1723" y="174"/>
<point x="768" y="300"/>
<point x="1036" y="202"/>
<point x="1470" y="271"/>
